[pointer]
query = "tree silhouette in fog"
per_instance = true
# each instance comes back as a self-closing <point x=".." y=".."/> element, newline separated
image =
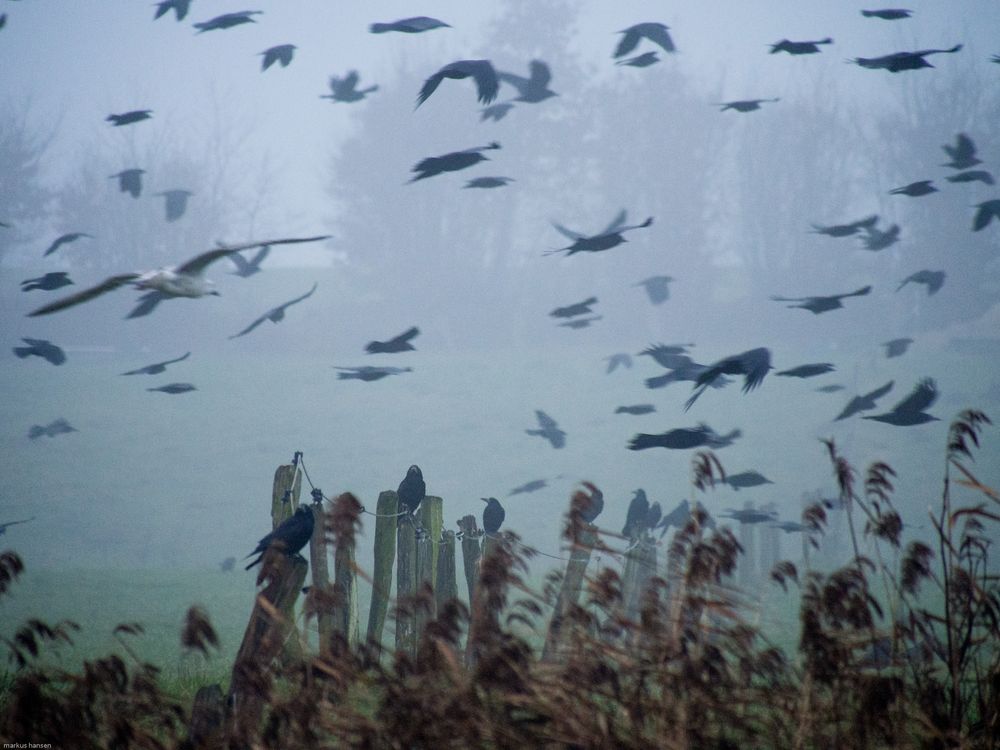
<point x="24" y="200"/>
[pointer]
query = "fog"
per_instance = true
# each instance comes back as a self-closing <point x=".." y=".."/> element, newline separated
<point x="153" y="479"/>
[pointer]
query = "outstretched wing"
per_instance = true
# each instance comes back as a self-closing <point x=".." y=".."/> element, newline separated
<point x="616" y="223"/>
<point x="567" y="233"/>
<point x="880" y="392"/>
<point x="147" y="303"/>
<point x="540" y="73"/>
<point x="628" y="42"/>
<point x="85" y="295"/>
<point x="658" y="34"/>
<point x="253" y="325"/>
<point x="299" y="299"/>
<point x="756" y="363"/>
<point x="406" y="335"/>
<point x="199" y="263"/>
<point x="924" y="394"/>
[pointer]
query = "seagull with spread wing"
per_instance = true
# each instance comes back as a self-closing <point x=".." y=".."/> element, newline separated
<point x="275" y="314"/>
<point x="185" y="280"/>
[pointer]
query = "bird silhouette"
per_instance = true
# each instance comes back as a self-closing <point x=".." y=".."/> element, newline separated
<point x="275" y="314"/>
<point x="175" y="202"/>
<point x="910" y="411"/>
<point x="962" y="154"/>
<point x="808" y="371"/>
<point x="577" y="308"/>
<point x="548" y="429"/>
<point x="488" y="182"/>
<point x="578" y="323"/>
<point x="915" y="189"/>
<point x="750" y="515"/>
<point x="65" y="239"/>
<point x="157" y="367"/>
<point x="618" y="360"/>
<point x="670" y="357"/>
<point x="818" y="305"/>
<point x="657" y="33"/>
<point x="534" y="88"/>
<point x="846" y="230"/>
<point x="864" y="402"/>
<point x="400" y="343"/>
<point x="933" y="280"/>
<point x="832" y="388"/>
<point x="495" y="112"/>
<point x="986" y="212"/>
<point x="888" y="14"/>
<point x="493" y="515"/>
<point x="640" y="61"/>
<point x="451" y="162"/>
<point x="896" y="347"/>
<point x="41" y="348"/>
<point x="56" y="427"/>
<point x="746" y="479"/>
<point x="290" y="536"/>
<point x="899" y="61"/>
<point x="533" y="486"/>
<point x="368" y="373"/>
<point x="657" y="288"/>
<point x="637" y="516"/>
<point x="636" y="409"/>
<point x="744" y="105"/>
<point x="413" y="25"/>
<point x="972" y="175"/>
<point x="130" y="181"/>
<point x="481" y="71"/>
<point x="683" y="438"/>
<point x="173" y="389"/>
<point x="179" y="7"/>
<point x="6" y="524"/>
<point x="49" y="282"/>
<point x="280" y="53"/>
<point x="799" y="48"/>
<point x="753" y="364"/>
<point x="246" y="268"/>
<point x="127" y="118"/>
<point x="411" y="490"/>
<point x="346" y="89"/>
<point x="875" y="239"/>
<point x="609" y="237"/>
<point x="227" y="21"/>
<point x="185" y="280"/>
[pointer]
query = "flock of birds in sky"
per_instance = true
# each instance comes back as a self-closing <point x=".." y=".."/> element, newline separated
<point x="188" y="280"/>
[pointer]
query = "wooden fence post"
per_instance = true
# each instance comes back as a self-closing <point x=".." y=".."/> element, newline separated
<point x="320" y="570"/>
<point x="569" y="592"/>
<point x="285" y="491"/>
<point x="471" y="552"/>
<point x="406" y="586"/>
<point x="445" y="588"/>
<point x="640" y="566"/>
<point x="386" y="522"/>
<point x="432" y="521"/>
<point x="345" y="592"/>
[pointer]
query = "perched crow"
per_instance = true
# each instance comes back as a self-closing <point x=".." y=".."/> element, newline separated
<point x="910" y="411"/>
<point x="174" y="388"/>
<point x="346" y="89"/>
<point x="962" y="154"/>
<point x="280" y="53"/>
<point x="413" y="25"/>
<point x="275" y="314"/>
<point x="808" y="371"/>
<point x="888" y="14"/>
<point x="744" y="105"/>
<point x="548" y="429"/>
<point x="64" y="239"/>
<point x="657" y="33"/>
<point x="933" y="280"/>
<point x="896" y="347"/>
<point x="493" y="515"/>
<point x="246" y="268"/>
<point x="289" y="537"/>
<point x="411" y="490"/>
<point x="864" y="402"/>
<point x="4" y="526"/>
<point x="48" y="282"/>
<point x="41" y="348"/>
<point x="987" y="211"/>
<point x="127" y="118"/>
<point x="745" y="479"/>
<point x="185" y="280"/>
<point x="179" y="7"/>
<point x="175" y="202"/>
<point x="656" y="288"/>
<point x="533" y="486"/>
<point x="609" y="237"/>
<point x="578" y="308"/>
<point x="57" y="427"/>
<point x="637" y="516"/>
<point x="636" y="409"/>
<point x="157" y="367"/>
<point x="972" y="175"/>
<point x="683" y="438"/>
<point x="400" y="343"/>
<point x="817" y="305"/>
<point x="451" y="162"/>
<point x="846" y="230"/>
<point x="495" y="112"/>
<point x="228" y="20"/>
<point x="130" y="181"/>
<point x="915" y="189"/>
<point x="899" y="61"/>
<point x="750" y="515"/>
<point x="875" y="239"/>
<point x="481" y="71"/>
<point x="533" y="89"/>
<point x="618" y="360"/>
<point x="367" y="373"/>
<point x="488" y="182"/>
<point x="640" y="61"/>
<point x="753" y="364"/>
<point x="799" y="48"/>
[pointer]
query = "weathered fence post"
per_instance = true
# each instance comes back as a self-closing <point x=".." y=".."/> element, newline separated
<point x="445" y="588"/>
<point x="640" y="566"/>
<point x="406" y="585"/>
<point x="285" y="491"/>
<point x="386" y="522"/>
<point x="345" y="592"/>
<point x="471" y="552"/>
<point x="432" y="521"/>
<point x="320" y="570"/>
<point x="569" y="593"/>
<point x="746" y="564"/>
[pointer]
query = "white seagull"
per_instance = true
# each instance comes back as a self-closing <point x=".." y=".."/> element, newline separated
<point x="185" y="280"/>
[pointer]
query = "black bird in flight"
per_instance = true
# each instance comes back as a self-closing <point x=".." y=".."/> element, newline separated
<point x="681" y="367"/>
<point x="899" y="61"/>
<point x="493" y="515"/>
<point x="548" y="429"/>
<point x="41" y="348"/>
<point x="411" y="490"/>
<point x="753" y="364"/>
<point x="578" y="308"/>
<point x="4" y="526"/>
<point x="157" y="367"/>
<point x="3" y="20"/>
<point x="864" y="402"/>
<point x="817" y="305"/>
<point x="875" y="239"/>
<point x="915" y="189"/>
<point x="275" y="314"/>
<point x="481" y="71"/>
<point x="832" y="388"/>
<point x="799" y="48"/>
<point x="57" y="427"/>
<point x="744" y="105"/>
<point x="636" y="409"/>
<point x="346" y="89"/>
<point x="657" y="33"/>
<point x="488" y="182"/>
<point x="400" y="343"/>
<point x="127" y="118"/>
<point x="790" y="527"/>
<point x="618" y="360"/>
<point x="846" y="230"/>
<point x="609" y="237"/>
<point x="246" y="268"/>
<point x="179" y="7"/>
<point x="413" y="25"/>
<point x="452" y="162"/>
<point x="533" y="486"/>
<point x="533" y="89"/>
<point x="185" y="280"/>
<point x="65" y="239"/>
<point x="280" y="53"/>
<point x="910" y="411"/>
<point x="368" y="373"/>
<point x="578" y="323"/>
<point x="972" y="175"/>
<point x="933" y="280"/>
<point x="746" y="479"/>
<point x="808" y="371"/>
<point x="129" y="181"/>
<point x="962" y="154"/>
<point x="986" y="212"/>
<point x="683" y="438"/>
<point x="751" y="515"/>
<point x="640" y="61"/>
<point x="495" y="112"/>
<point x="896" y="347"/>
<point x="657" y="288"/>
<point x="289" y="537"/>
<point x="228" y="20"/>
<point x="227" y="565"/>
<point x="48" y="282"/>
<point x="671" y="357"/>
<point x="175" y="202"/>
<point x="888" y="14"/>
<point x="173" y="388"/>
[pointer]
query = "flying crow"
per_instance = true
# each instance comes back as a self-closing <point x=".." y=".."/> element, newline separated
<point x="346" y="89"/>
<point x="280" y="53"/>
<point x="656" y="288"/>
<point x="846" y="230"/>
<point x="962" y="154"/>
<point x="899" y="61"/>
<point x="175" y="203"/>
<point x="48" y="282"/>
<point x="864" y="402"/>
<point x="817" y="305"/>
<point x="533" y="89"/>
<point x="413" y="25"/>
<point x="157" y="367"/>
<point x="657" y="33"/>
<point x="744" y="105"/>
<point x="400" y="343"/>
<point x="452" y="162"/>
<point x="915" y="189"/>
<point x="753" y="364"/>
<point x="609" y="237"/>
<point x="228" y="20"/>
<point x="933" y="280"/>
<point x="808" y="371"/>
<point x="987" y="211"/>
<point x="683" y="438"/>
<point x="896" y="347"/>
<point x="910" y="411"/>
<point x="174" y="388"/>
<point x="58" y="427"/>
<point x="367" y="373"/>
<point x="127" y="118"/>
<point x="578" y="308"/>
<point x="799" y="48"/>
<point x="65" y="239"/>
<point x="246" y="268"/>
<point x="481" y="71"/>
<point x="41" y="348"/>
<point x="548" y="429"/>
<point x="130" y="181"/>
<point x="275" y="314"/>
